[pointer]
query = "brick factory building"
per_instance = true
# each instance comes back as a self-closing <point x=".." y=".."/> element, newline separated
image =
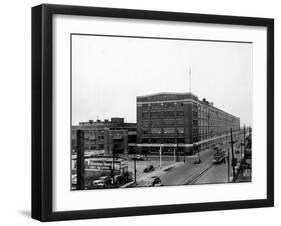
<point x="180" y="121"/>
<point x="106" y="136"/>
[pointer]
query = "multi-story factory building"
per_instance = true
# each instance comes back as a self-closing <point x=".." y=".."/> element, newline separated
<point x="106" y="136"/>
<point x="181" y="121"/>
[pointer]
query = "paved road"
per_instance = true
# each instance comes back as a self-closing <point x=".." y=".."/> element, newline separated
<point x="183" y="174"/>
<point x="154" y="160"/>
<point x="206" y="172"/>
<point x="216" y="174"/>
<point x="190" y="173"/>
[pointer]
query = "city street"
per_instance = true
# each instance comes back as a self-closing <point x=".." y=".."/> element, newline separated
<point x="216" y="174"/>
<point x="205" y="172"/>
<point x="185" y="173"/>
<point x="150" y="160"/>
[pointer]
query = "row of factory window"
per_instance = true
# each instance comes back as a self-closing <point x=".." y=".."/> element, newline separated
<point x="217" y="121"/>
<point x="93" y="137"/>
<point x="211" y="113"/>
<point x="160" y="114"/>
<point x="173" y="114"/>
<point x="200" y="110"/>
<point x="216" y="124"/>
<point x="180" y="113"/>
<point x="159" y="122"/>
<point x="207" y="116"/>
<point x="213" y="130"/>
<point x="91" y="146"/>
<point x="181" y="131"/>
<point x="164" y="130"/>
<point x="161" y="106"/>
<point x="158" y="140"/>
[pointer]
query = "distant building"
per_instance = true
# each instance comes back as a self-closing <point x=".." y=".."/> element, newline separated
<point x="181" y="121"/>
<point x="109" y="135"/>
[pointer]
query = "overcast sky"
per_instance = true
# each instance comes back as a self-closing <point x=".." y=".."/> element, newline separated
<point x="109" y="72"/>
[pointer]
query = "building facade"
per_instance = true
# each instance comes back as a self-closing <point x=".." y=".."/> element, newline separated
<point x="180" y="121"/>
<point x="106" y="136"/>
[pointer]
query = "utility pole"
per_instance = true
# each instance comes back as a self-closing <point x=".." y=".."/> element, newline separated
<point x="160" y="155"/>
<point x="232" y="156"/>
<point x="241" y="152"/>
<point x="228" y="164"/>
<point x="184" y="154"/>
<point x="177" y="155"/>
<point x="244" y="139"/>
<point x="135" y="166"/>
<point x="80" y="160"/>
<point x="113" y="166"/>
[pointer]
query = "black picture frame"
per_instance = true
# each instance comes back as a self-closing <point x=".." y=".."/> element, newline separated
<point x="42" y="107"/>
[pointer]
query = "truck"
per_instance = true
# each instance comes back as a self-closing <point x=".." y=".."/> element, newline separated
<point x="219" y="155"/>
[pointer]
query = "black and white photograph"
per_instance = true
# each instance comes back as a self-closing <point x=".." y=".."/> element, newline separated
<point x="157" y="111"/>
<point x="145" y="112"/>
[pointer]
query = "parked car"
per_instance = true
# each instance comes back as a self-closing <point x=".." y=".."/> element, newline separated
<point x="156" y="181"/>
<point x="105" y="179"/>
<point x="153" y="182"/>
<point x="98" y="184"/>
<point x="197" y="161"/>
<point x="138" y="157"/>
<point x="149" y="168"/>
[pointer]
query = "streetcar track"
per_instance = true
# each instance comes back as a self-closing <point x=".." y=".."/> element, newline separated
<point x="194" y="179"/>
